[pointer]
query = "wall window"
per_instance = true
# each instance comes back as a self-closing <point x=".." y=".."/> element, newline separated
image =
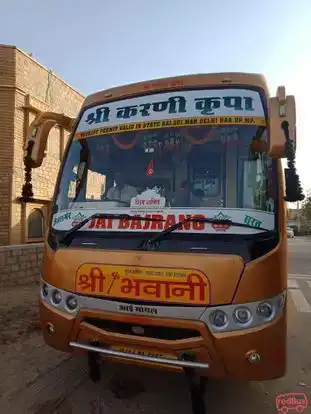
<point x="35" y="224"/>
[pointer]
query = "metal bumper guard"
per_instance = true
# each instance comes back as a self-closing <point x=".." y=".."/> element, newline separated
<point x="109" y="352"/>
<point x="195" y="382"/>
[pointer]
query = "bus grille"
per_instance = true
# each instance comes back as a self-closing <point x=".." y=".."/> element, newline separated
<point x="157" y="332"/>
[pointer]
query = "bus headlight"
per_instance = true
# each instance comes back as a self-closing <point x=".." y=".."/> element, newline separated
<point x="281" y="301"/>
<point x="63" y="300"/>
<point x="219" y="319"/>
<point x="242" y="315"/>
<point x="247" y="315"/>
<point x="56" y="297"/>
<point x="71" y="303"/>
<point x="265" y="310"/>
<point x="45" y="290"/>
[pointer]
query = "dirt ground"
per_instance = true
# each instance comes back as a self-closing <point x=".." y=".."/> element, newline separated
<point x="19" y="317"/>
<point x="23" y="355"/>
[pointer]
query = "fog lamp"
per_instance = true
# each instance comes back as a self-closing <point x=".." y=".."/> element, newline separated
<point x="253" y="357"/>
<point x="50" y="328"/>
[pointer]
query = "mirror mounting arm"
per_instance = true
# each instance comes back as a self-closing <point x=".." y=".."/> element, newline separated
<point x="27" y="193"/>
<point x="294" y="190"/>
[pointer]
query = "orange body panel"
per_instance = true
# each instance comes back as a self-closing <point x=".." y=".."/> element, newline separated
<point x="226" y="353"/>
<point x="60" y="268"/>
<point x="178" y="82"/>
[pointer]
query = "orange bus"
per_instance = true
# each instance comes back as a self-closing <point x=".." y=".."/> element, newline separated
<point x="166" y="245"/>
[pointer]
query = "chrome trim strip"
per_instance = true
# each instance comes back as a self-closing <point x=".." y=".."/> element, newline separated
<point x="175" y="312"/>
<point x="139" y="357"/>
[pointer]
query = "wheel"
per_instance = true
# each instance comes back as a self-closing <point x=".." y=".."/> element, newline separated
<point x="284" y="409"/>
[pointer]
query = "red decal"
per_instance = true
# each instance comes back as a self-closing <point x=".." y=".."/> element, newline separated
<point x="124" y="224"/>
<point x="150" y="169"/>
<point x="157" y="225"/>
<point x="93" y="281"/>
<point x="100" y="223"/>
<point x="294" y="401"/>
<point x="136" y="224"/>
<point x="92" y="224"/>
<point x="170" y="221"/>
<point x="187" y="225"/>
<point x="197" y="225"/>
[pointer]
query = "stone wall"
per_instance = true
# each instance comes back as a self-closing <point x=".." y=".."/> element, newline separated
<point x="47" y="92"/>
<point x="44" y="91"/>
<point x="20" y="264"/>
<point x="27" y="87"/>
<point x="7" y="103"/>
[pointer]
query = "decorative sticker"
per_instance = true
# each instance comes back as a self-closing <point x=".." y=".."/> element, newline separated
<point x="149" y="200"/>
<point x="146" y="310"/>
<point x="154" y="284"/>
<point x="252" y="221"/>
<point x="77" y="218"/>
<point x="221" y="227"/>
<point x="173" y="109"/>
<point x="61" y="218"/>
<point x="151" y="204"/>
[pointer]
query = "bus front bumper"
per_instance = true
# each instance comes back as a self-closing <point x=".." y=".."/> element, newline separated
<point x="255" y="354"/>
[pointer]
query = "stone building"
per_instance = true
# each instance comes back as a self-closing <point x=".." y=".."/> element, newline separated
<point x="26" y="87"/>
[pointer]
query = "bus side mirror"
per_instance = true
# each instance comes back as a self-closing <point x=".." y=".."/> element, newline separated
<point x="282" y="140"/>
<point x="281" y="108"/>
<point x="35" y="144"/>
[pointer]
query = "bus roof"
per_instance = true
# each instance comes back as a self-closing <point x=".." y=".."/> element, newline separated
<point x="178" y="82"/>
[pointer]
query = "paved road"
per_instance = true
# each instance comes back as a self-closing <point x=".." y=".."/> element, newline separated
<point x="300" y="274"/>
<point x="74" y="393"/>
<point x="299" y="256"/>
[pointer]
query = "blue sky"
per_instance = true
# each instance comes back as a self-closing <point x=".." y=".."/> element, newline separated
<point x="99" y="44"/>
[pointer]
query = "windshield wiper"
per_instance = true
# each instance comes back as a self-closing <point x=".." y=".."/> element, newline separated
<point x="153" y="240"/>
<point x="68" y="235"/>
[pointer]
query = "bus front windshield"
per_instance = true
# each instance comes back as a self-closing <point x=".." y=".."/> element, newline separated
<point x="168" y="173"/>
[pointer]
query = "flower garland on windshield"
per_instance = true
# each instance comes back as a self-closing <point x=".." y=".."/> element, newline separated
<point x="127" y="146"/>
<point x="208" y="136"/>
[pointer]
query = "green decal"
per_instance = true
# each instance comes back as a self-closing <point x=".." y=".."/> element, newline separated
<point x="252" y="221"/>
<point x="62" y="218"/>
